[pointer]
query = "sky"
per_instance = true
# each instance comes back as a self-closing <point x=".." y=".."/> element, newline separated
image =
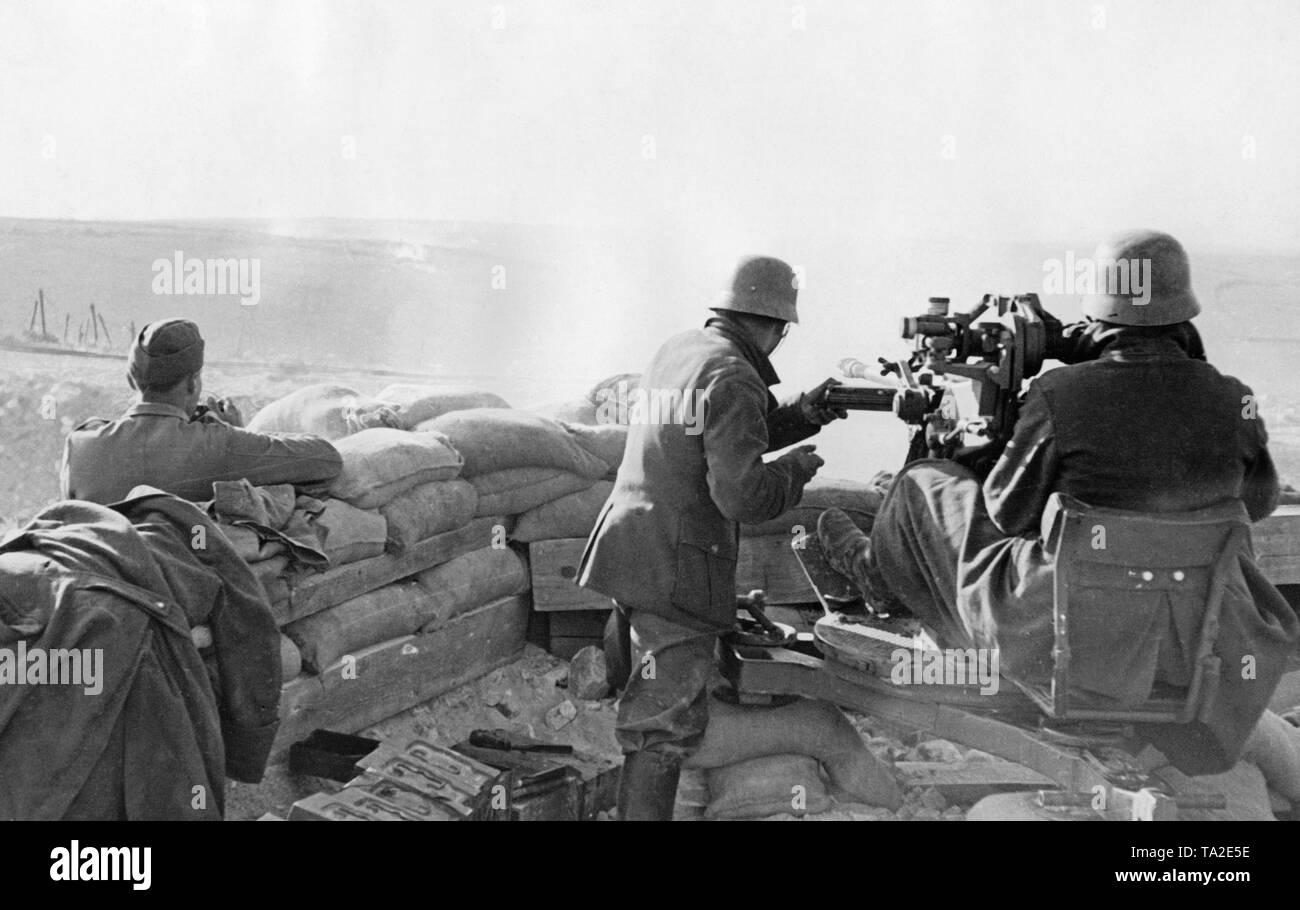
<point x="1013" y="121"/>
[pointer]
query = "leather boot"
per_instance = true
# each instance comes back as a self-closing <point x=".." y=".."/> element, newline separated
<point x="647" y="787"/>
<point x="843" y="542"/>
<point x="848" y="551"/>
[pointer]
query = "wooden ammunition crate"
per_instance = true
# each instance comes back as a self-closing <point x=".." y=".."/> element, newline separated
<point x="554" y="566"/>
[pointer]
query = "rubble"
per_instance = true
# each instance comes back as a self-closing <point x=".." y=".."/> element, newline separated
<point x="560" y="716"/>
<point x="936" y="750"/>
<point x="587" y="679"/>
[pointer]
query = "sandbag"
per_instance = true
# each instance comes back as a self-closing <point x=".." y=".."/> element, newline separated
<point x="324" y="409"/>
<point x="268" y="571"/>
<point x="476" y="578"/>
<point x="491" y="439"/>
<point x="770" y="785"/>
<point x="569" y="516"/>
<point x="428" y="509"/>
<point x="580" y="411"/>
<point x="516" y="490"/>
<point x="606" y="441"/>
<point x="418" y="403"/>
<point x="612" y="386"/>
<point x="388" y="612"/>
<point x="380" y="465"/>
<point x="290" y="659"/>
<point x="248" y="544"/>
<point x="353" y="534"/>
<point x="861" y="501"/>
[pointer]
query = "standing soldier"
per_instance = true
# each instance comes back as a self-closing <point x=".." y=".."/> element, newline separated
<point x="666" y="542"/>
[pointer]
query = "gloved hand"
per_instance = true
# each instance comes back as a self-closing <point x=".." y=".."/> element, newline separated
<point x="1080" y="341"/>
<point x="813" y="405"/>
<point x="804" y="460"/>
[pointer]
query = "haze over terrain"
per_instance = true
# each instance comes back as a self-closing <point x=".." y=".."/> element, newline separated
<point x="531" y="196"/>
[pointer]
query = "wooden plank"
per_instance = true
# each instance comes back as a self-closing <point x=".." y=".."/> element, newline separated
<point x="399" y="674"/>
<point x="968" y="782"/>
<point x="769" y="563"/>
<point x="332" y="587"/>
<point x="554" y="567"/>
<point x="1277" y="545"/>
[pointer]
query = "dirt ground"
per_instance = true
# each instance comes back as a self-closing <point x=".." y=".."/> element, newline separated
<point x="518" y="696"/>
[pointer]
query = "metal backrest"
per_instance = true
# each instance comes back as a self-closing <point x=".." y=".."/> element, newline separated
<point x="1174" y="563"/>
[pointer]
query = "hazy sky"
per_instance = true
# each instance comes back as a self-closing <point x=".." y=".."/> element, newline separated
<point x="1015" y="120"/>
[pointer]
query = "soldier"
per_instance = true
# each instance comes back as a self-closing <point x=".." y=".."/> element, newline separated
<point x="665" y="544"/>
<point x="166" y="441"/>
<point x="1139" y="421"/>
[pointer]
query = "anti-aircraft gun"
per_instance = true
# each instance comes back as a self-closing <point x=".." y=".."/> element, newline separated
<point x="960" y="389"/>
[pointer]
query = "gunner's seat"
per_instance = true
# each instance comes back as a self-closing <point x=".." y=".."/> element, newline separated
<point x="1136" y="610"/>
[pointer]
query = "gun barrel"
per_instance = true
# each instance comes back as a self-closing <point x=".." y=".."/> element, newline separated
<point x="857" y="398"/>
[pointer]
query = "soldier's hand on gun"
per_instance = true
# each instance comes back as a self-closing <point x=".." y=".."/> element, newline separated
<point x="814" y="407"/>
<point x="225" y="410"/>
<point x="805" y="461"/>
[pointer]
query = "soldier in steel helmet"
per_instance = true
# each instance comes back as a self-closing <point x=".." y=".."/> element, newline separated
<point x="1138" y="421"/>
<point x="665" y="544"/>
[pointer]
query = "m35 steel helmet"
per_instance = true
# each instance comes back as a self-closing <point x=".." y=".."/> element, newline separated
<point x="763" y="286"/>
<point x="1142" y="278"/>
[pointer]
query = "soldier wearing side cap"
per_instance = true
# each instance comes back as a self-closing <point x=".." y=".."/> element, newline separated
<point x="665" y="544"/>
<point x="170" y="441"/>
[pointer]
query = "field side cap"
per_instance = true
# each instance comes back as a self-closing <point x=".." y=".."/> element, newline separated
<point x="1164" y="273"/>
<point x="763" y="286"/>
<point x="165" y="352"/>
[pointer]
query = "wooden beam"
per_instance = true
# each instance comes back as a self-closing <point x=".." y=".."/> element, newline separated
<point x="968" y="782"/>
<point x="396" y="675"/>
<point x="320" y="591"/>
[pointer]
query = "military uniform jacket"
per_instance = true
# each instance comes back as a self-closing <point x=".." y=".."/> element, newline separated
<point x="158" y="445"/>
<point x="1143" y="428"/>
<point x="169" y="723"/>
<point x="667" y="539"/>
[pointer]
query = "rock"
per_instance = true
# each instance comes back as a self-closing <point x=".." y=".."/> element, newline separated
<point x="861" y="812"/>
<point x="978" y="755"/>
<point x="954" y="812"/>
<point x="906" y="813"/>
<point x="933" y="799"/>
<point x="561" y="714"/>
<point x="896" y="753"/>
<point x="926" y="815"/>
<point x="557" y="677"/>
<point x="587" y="678"/>
<point x="938" y="750"/>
